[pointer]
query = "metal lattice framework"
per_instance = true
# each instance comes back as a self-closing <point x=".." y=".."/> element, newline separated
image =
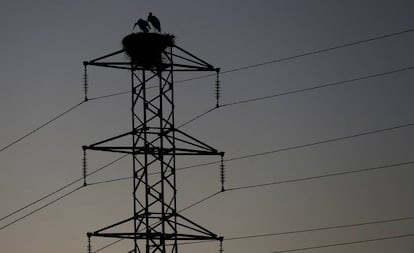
<point x="157" y="226"/>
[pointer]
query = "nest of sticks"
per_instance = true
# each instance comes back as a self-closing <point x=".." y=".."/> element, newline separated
<point x="145" y="49"/>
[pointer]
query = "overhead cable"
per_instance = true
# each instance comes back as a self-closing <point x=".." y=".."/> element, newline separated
<point x="307" y="230"/>
<point x="322" y="176"/>
<point x="40" y="208"/>
<point x="316" y="87"/>
<point x="55" y="192"/>
<point x="313" y="52"/>
<point x="223" y="72"/>
<point x="289" y="181"/>
<point x="345" y="243"/>
<point x="41" y="126"/>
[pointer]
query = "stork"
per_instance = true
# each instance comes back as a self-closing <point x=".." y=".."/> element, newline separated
<point x="143" y="25"/>
<point x="155" y="22"/>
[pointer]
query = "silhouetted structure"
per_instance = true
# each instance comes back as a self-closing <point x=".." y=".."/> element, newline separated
<point x="146" y="49"/>
<point x="155" y="143"/>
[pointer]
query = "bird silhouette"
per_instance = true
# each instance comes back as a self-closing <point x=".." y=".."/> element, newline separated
<point x="155" y="22"/>
<point x="143" y="25"/>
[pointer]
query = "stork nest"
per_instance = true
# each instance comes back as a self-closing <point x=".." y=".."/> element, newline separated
<point x="145" y="49"/>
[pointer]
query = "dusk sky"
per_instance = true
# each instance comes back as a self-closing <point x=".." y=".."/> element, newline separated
<point x="313" y="133"/>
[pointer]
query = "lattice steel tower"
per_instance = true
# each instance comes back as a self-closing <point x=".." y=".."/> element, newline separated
<point x="156" y="225"/>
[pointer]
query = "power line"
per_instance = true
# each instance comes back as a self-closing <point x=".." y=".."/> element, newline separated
<point x="308" y="230"/>
<point x="351" y="136"/>
<point x="238" y="69"/>
<point x="110" y="180"/>
<point x="110" y="95"/>
<point x="197" y="117"/>
<point x="206" y="198"/>
<point x="345" y="243"/>
<point x="108" y="245"/>
<point x="321" y="176"/>
<point x="40" y="199"/>
<point x="40" y="208"/>
<point x="314" y="52"/>
<point x="41" y="126"/>
<point x="53" y="193"/>
<point x="253" y="99"/>
<point x="319" y="86"/>
<point x="313" y="178"/>
<point x="302" y="145"/>
<point x="105" y="166"/>
<point x="229" y="71"/>
<point x="291" y="181"/>
<point x="200" y="201"/>
<point x="323" y="50"/>
<point x="305" y="54"/>
<point x="348" y="81"/>
<point x="319" y="229"/>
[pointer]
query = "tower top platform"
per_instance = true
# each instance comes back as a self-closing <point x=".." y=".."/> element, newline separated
<point x="154" y="52"/>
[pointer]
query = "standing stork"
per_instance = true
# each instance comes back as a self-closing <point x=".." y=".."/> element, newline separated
<point x="143" y="25"/>
<point x="155" y="22"/>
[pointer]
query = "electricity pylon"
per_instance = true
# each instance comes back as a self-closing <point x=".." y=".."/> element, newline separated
<point x="155" y="143"/>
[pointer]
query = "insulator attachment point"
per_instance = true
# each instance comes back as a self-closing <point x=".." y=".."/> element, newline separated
<point x="221" y="250"/>
<point x="89" y="248"/>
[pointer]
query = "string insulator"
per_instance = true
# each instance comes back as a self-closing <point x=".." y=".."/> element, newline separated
<point x="89" y="247"/>
<point x="221" y="250"/>
<point x="222" y="172"/>
<point x="217" y="88"/>
<point x="84" y="166"/>
<point x="85" y="81"/>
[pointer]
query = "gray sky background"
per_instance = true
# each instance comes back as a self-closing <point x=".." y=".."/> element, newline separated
<point x="42" y="48"/>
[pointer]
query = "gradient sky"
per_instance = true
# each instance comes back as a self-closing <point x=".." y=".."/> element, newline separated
<point x="42" y="48"/>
